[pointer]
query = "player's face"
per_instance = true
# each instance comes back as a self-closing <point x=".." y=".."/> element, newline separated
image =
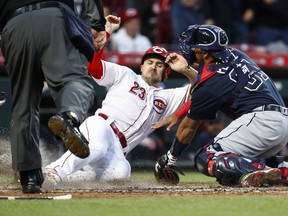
<point x="152" y="71"/>
<point x="199" y="54"/>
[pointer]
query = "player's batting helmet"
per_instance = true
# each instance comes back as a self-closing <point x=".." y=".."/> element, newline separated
<point x="211" y="38"/>
<point x="160" y="53"/>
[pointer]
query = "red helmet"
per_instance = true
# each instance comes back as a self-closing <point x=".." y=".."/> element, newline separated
<point x="160" y="53"/>
<point x="155" y="51"/>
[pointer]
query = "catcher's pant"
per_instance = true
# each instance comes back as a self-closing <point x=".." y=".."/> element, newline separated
<point x="106" y="153"/>
<point x="241" y="147"/>
<point x="257" y="134"/>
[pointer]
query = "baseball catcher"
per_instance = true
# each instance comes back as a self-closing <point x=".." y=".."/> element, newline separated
<point x="243" y="153"/>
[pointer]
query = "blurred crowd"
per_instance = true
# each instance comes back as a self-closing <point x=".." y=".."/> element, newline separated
<point x="252" y="25"/>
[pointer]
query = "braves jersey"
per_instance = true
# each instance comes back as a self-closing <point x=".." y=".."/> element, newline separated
<point x="213" y="88"/>
<point x="133" y="105"/>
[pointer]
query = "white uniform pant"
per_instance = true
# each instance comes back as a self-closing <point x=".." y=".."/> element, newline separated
<point x="106" y="153"/>
<point x="257" y="134"/>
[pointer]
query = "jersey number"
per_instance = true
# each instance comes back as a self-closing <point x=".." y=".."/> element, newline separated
<point x="139" y="91"/>
<point x="256" y="81"/>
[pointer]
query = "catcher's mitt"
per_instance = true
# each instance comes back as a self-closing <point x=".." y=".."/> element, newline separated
<point x="167" y="174"/>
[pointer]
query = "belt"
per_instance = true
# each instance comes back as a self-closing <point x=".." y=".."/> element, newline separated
<point x="30" y="8"/>
<point x="118" y="133"/>
<point x="272" y="107"/>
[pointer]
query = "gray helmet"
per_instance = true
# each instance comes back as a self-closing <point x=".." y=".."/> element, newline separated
<point x="211" y="38"/>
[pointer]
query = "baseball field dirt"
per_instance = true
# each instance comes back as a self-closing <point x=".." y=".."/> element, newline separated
<point x="138" y="186"/>
<point x="135" y="188"/>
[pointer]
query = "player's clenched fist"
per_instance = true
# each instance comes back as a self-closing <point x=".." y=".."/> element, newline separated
<point x="176" y="62"/>
<point x="112" y="24"/>
<point x="179" y="64"/>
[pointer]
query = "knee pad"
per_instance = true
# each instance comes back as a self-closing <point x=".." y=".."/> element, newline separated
<point x="201" y="162"/>
<point x="203" y="159"/>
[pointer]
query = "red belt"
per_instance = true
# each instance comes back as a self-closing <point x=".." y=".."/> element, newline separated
<point x="118" y="133"/>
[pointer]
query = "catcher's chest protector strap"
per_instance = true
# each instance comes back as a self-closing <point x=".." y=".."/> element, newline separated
<point x="242" y="80"/>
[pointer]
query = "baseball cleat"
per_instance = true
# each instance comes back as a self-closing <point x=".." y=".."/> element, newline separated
<point x="31" y="187"/>
<point x="51" y="176"/>
<point x="261" y="178"/>
<point x="31" y="181"/>
<point x="65" y="126"/>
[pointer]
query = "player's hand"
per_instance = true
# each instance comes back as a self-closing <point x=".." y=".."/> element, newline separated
<point x="171" y="121"/>
<point x="177" y="62"/>
<point x="112" y="23"/>
<point x="99" y="39"/>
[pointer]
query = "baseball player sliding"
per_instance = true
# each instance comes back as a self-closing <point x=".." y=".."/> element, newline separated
<point x="133" y="102"/>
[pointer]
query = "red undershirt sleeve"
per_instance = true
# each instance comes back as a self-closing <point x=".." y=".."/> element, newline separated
<point x="183" y="110"/>
<point x="95" y="68"/>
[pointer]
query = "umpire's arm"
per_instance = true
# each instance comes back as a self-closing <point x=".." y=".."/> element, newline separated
<point x="95" y="11"/>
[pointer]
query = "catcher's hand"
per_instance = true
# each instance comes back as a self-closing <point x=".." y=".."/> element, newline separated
<point x="165" y="171"/>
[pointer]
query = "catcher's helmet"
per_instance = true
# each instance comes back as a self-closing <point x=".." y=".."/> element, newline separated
<point x="160" y="53"/>
<point x="206" y="37"/>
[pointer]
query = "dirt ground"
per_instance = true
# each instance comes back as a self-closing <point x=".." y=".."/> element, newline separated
<point x="10" y="186"/>
<point x="137" y="188"/>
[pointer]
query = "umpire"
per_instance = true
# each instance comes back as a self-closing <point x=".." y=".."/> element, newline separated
<point x="37" y="48"/>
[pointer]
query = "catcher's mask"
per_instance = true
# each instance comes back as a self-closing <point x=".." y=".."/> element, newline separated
<point x="210" y="38"/>
<point x="160" y="53"/>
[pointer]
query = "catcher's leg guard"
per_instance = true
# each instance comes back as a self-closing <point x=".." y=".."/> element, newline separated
<point x="229" y="168"/>
<point x="204" y="157"/>
<point x="226" y="167"/>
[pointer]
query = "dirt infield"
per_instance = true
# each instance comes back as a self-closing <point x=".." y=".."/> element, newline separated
<point x="10" y="186"/>
<point x="136" y="188"/>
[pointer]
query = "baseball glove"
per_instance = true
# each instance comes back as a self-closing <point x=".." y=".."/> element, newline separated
<point x="166" y="173"/>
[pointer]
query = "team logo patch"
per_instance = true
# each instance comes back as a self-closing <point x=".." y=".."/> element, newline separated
<point x="159" y="105"/>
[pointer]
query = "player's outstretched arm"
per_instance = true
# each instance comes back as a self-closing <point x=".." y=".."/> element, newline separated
<point x="95" y="68"/>
<point x="171" y="121"/>
<point x="100" y="37"/>
<point x="179" y="64"/>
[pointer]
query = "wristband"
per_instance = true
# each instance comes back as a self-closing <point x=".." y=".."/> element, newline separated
<point x="171" y="160"/>
<point x="182" y="111"/>
<point x="95" y="68"/>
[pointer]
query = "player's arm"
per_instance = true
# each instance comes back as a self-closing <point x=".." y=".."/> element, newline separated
<point x="179" y="64"/>
<point x="95" y="68"/>
<point x="94" y="10"/>
<point x="173" y="119"/>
